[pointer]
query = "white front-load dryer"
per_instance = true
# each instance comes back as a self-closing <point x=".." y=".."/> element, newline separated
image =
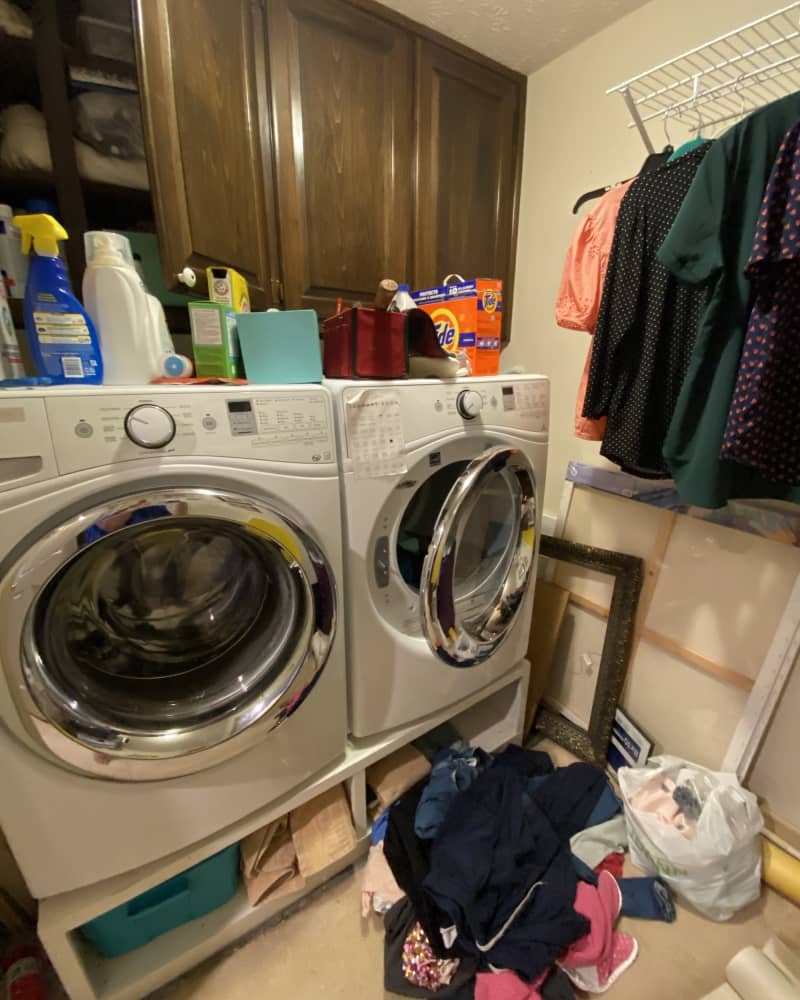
<point x="172" y="649"/>
<point x="441" y="498"/>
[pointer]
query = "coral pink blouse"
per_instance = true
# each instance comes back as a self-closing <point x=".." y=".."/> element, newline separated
<point x="581" y="289"/>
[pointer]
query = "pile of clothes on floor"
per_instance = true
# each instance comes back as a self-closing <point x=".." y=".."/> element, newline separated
<point x="499" y="878"/>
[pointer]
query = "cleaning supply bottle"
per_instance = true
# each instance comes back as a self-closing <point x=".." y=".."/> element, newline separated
<point x="62" y="337"/>
<point x="11" y="366"/>
<point x="119" y="304"/>
<point x="166" y="361"/>
<point x="13" y="261"/>
<point x="402" y="301"/>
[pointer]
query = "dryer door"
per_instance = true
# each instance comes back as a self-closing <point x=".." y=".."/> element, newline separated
<point x="479" y="562"/>
<point x="164" y="625"/>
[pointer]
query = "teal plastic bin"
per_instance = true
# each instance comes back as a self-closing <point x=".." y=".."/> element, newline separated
<point x="182" y="898"/>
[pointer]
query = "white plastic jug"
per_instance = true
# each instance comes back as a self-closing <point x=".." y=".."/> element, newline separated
<point x="118" y="302"/>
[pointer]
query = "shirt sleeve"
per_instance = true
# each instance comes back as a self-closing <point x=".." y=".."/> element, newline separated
<point x="692" y="250"/>
<point x="579" y="292"/>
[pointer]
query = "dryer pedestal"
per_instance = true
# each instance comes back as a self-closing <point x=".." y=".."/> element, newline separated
<point x="489" y="718"/>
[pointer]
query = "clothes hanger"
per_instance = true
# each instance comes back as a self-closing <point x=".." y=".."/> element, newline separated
<point x="725" y="123"/>
<point x="656" y="160"/>
<point x="652" y="162"/>
<point x="590" y="196"/>
<point x="691" y="144"/>
<point x="696" y="141"/>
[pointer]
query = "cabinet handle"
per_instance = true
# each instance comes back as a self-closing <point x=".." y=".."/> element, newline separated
<point x="187" y="277"/>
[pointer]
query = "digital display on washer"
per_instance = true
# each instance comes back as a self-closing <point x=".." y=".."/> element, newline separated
<point x="508" y="397"/>
<point x="241" y="416"/>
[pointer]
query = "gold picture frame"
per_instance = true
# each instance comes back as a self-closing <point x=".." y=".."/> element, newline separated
<point x="592" y="744"/>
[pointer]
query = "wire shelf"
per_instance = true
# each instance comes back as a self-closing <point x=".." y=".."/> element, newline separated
<point x="722" y="80"/>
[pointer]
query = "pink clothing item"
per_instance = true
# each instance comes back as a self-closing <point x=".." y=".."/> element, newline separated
<point x="506" y="986"/>
<point x="600" y="905"/>
<point x="600" y="957"/>
<point x="581" y="289"/>
<point x="598" y="978"/>
<point x="379" y="890"/>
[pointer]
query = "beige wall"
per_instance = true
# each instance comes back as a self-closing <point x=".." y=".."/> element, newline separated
<point x="576" y="139"/>
<point x="718" y="597"/>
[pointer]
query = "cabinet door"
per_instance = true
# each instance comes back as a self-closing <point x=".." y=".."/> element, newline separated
<point x="206" y="117"/>
<point x="469" y="140"/>
<point x="343" y="106"/>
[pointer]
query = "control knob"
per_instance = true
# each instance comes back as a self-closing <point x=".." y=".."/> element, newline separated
<point x="469" y="404"/>
<point x="150" y="426"/>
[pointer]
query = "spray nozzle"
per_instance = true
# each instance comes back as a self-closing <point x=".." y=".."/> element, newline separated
<point x="43" y="230"/>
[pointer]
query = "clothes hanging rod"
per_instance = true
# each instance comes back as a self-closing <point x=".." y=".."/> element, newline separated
<point x="721" y="80"/>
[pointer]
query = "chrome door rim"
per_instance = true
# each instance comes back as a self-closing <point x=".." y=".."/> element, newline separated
<point x="458" y="646"/>
<point x="88" y="744"/>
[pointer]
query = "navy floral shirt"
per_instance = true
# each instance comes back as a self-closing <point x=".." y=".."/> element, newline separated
<point x="763" y="427"/>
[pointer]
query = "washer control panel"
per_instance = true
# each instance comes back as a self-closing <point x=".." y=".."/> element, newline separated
<point x="150" y="426"/>
<point x="242" y="417"/>
<point x="469" y="404"/>
<point x="92" y="429"/>
<point x="514" y="403"/>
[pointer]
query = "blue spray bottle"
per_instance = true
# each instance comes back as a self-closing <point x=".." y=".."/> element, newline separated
<point x="61" y="335"/>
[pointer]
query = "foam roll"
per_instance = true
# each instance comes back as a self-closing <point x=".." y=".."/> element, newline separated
<point x="754" y="977"/>
<point x="781" y="871"/>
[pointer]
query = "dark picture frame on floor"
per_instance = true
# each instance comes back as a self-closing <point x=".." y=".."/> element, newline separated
<point x="592" y="744"/>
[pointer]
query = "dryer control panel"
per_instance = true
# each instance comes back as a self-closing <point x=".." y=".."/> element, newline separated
<point x="92" y="429"/>
<point x="511" y="402"/>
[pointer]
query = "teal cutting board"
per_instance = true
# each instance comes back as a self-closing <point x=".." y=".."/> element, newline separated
<point x="280" y="348"/>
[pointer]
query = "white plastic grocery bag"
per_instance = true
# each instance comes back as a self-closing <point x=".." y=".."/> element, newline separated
<point x="697" y="829"/>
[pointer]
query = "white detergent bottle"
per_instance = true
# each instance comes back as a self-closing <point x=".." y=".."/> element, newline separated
<point x="118" y="303"/>
<point x="166" y="361"/>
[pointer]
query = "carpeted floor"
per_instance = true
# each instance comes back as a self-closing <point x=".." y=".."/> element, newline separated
<point x="325" y="950"/>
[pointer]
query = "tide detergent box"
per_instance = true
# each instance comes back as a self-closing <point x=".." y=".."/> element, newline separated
<point x="468" y="316"/>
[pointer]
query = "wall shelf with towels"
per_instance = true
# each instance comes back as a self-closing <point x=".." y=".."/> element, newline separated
<point x="722" y="80"/>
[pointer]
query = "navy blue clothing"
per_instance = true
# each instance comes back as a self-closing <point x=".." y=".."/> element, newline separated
<point x="409" y="859"/>
<point x="138" y="514"/>
<point x="607" y="807"/>
<point x="569" y="797"/>
<point x="528" y="763"/>
<point x="762" y="431"/>
<point x="646" y="897"/>
<point x="452" y="772"/>
<point x="501" y="868"/>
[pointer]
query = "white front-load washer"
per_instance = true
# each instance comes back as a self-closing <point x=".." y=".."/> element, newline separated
<point x="172" y="652"/>
<point x="441" y="498"/>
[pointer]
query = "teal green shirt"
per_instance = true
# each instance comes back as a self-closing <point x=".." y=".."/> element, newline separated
<point x="688" y="147"/>
<point x="710" y="241"/>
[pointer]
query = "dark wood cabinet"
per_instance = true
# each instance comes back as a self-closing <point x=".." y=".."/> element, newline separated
<point x="318" y="146"/>
<point x="341" y="91"/>
<point x="469" y="142"/>
<point x="205" y="108"/>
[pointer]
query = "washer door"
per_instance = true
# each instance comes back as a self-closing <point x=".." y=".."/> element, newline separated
<point x="480" y="558"/>
<point x="164" y="624"/>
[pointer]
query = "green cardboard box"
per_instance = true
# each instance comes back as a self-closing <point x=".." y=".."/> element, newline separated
<point x="215" y="340"/>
